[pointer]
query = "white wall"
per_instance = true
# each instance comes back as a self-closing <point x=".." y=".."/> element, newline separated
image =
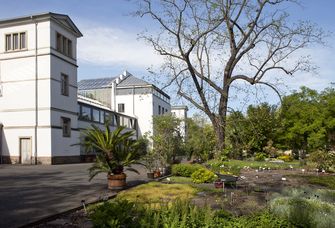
<point x="17" y="103"/>
<point x="139" y="106"/>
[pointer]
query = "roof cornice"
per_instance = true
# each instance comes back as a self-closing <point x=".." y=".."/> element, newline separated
<point x="41" y="18"/>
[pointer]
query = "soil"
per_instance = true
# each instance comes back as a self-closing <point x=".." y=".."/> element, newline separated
<point x="251" y="193"/>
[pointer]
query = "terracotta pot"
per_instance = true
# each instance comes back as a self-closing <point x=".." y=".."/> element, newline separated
<point x="157" y="173"/>
<point x="218" y="184"/>
<point x="151" y="175"/>
<point x="117" y="181"/>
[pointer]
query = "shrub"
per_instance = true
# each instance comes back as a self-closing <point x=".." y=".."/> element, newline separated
<point x="323" y="159"/>
<point x="285" y="158"/>
<point x="203" y="176"/>
<point x="115" y="213"/>
<point x="260" y="156"/>
<point x="185" y="170"/>
<point x="305" y="210"/>
<point x="264" y="219"/>
<point x="177" y="214"/>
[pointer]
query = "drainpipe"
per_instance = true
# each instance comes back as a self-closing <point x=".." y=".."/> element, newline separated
<point x="36" y="89"/>
<point x="1" y="126"/>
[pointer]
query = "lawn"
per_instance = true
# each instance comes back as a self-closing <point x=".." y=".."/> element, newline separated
<point x="235" y="166"/>
<point x="158" y="192"/>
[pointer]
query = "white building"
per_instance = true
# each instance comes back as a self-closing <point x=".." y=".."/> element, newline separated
<point x="181" y="113"/>
<point x="41" y="114"/>
<point x="129" y="95"/>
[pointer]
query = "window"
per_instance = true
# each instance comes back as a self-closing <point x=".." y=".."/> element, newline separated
<point x="22" y="40"/>
<point x="95" y="115"/>
<point x="159" y="110"/>
<point x="16" y="41"/>
<point x="63" y="45"/>
<point x="65" y="85"/>
<point x="163" y="110"/>
<point x="102" y="116"/>
<point x="66" y="126"/>
<point x="120" y="107"/>
<point x="85" y="113"/>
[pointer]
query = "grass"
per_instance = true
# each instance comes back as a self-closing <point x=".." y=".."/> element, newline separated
<point x="235" y="166"/>
<point x="177" y="179"/>
<point x="326" y="181"/>
<point x="155" y="192"/>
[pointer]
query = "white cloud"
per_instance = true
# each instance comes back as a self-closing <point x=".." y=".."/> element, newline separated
<point x="103" y="45"/>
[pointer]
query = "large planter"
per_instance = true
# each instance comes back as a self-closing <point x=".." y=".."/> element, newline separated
<point x="117" y="181"/>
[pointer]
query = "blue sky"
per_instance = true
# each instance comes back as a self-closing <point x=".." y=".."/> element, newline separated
<point x="108" y="21"/>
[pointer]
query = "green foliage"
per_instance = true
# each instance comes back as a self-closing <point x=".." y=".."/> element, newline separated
<point x="114" y="150"/>
<point x="323" y="159"/>
<point x="285" y="158"/>
<point x="181" y="214"/>
<point x="115" y="213"/>
<point x="308" y="121"/>
<point x="166" y="138"/>
<point x="303" y="209"/>
<point x="185" y="170"/>
<point x="260" y="156"/>
<point x="203" y="176"/>
<point x="201" y="140"/>
<point x="264" y="219"/>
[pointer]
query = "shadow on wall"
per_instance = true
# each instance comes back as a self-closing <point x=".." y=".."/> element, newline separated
<point x="5" y="157"/>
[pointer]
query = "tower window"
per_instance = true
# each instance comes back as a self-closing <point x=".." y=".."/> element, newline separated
<point x="64" y="45"/>
<point x="64" y="84"/>
<point x="16" y="41"/>
<point x="66" y="126"/>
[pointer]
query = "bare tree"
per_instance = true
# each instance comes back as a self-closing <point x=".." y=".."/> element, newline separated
<point x="210" y="44"/>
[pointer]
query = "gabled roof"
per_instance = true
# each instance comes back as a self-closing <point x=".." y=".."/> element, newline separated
<point x="132" y="81"/>
<point x="98" y="83"/>
<point x="62" y="19"/>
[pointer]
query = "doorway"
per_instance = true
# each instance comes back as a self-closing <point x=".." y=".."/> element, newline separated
<point x="25" y="151"/>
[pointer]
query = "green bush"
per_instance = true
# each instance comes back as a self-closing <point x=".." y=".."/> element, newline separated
<point x="125" y="214"/>
<point x="305" y="208"/>
<point x="323" y="159"/>
<point x="115" y="213"/>
<point x="285" y="158"/>
<point x="263" y="219"/>
<point x="185" y="170"/>
<point x="260" y="156"/>
<point x="203" y="176"/>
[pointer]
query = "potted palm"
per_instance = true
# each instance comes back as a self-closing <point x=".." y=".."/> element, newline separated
<point x="115" y="152"/>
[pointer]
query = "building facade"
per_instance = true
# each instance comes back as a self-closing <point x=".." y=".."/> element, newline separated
<point x="42" y="111"/>
<point x="128" y="95"/>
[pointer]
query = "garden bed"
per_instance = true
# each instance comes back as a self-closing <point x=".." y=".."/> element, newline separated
<point x="252" y="194"/>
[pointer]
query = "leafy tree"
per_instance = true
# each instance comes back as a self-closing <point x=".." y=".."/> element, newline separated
<point x="261" y="126"/>
<point x="237" y="136"/>
<point x="303" y="126"/>
<point x="253" y="132"/>
<point x="201" y="138"/>
<point x="209" y="45"/>
<point x="167" y="140"/>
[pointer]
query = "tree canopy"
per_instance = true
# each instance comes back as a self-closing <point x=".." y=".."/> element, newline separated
<point x="209" y="45"/>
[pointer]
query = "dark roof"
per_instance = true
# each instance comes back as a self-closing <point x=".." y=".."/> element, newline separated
<point x="132" y="81"/>
<point x="98" y="83"/>
<point x="62" y="19"/>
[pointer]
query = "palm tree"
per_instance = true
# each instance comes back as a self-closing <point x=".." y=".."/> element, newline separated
<point x="114" y="150"/>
